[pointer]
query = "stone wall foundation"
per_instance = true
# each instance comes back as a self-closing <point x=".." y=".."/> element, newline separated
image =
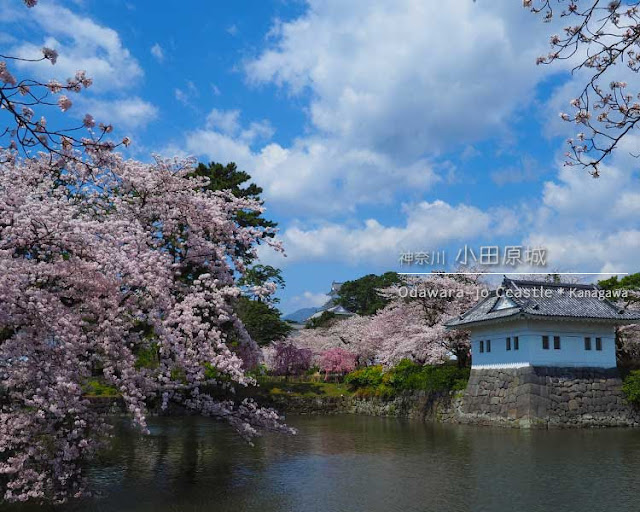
<point x="543" y="397"/>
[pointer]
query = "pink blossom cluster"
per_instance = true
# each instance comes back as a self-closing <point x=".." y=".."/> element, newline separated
<point x="337" y="361"/>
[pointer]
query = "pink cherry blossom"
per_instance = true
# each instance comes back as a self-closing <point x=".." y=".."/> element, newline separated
<point x="50" y="54"/>
<point x="5" y="75"/>
<point x="337" y="361"/>
<point x="64" y="103"/>
<point x="88" y="121"/>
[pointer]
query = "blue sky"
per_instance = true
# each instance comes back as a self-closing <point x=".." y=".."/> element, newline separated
<point x="374" y="127"/>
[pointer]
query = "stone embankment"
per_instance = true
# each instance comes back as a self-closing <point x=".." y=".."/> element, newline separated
<point x="417" y="405"/>
<point x="547" y="397"/>
<point x="531" y="397"/>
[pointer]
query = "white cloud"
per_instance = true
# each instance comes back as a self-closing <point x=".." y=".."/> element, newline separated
<point x="225" y="121"/>
<point x="307" y="300"/>
<point x="313" y="175"/>
<point x="591" y="224"/>
<point x="407" y="76"/>
<point x="128" y="113"/>
<point x="81" y="43"/>
<point x="181" y="96"/>
<point x="392" y="85"/>
<point x="528" y="169"/>
<point x="186" y="94"/>
<point x="426" y="226"/>
<point x="157" y="52"/>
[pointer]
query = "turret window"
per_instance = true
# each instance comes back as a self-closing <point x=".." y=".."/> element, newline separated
<point x="587" y="343"/>
<point x="556" y="343"/>
<point x="598" y="343"/>
<point x="545" y="342"/>
<point x="508" y="343"/>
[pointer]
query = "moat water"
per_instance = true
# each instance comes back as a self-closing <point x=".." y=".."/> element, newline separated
<point x="359" y="463"/>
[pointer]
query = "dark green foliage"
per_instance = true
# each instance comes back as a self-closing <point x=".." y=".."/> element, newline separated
<point x="407" y="376"/>
<point x="630" y="282"/>
<point x="262" y="321"/>
<point x="631" y="387"/>
<point x="148" y="357"/>
<point x="228" y="177"/>
<point x="324" y="320"/>
<point x="260" y="275"/>
<point x="627" y="351"/>
<point x="360" y="295"/>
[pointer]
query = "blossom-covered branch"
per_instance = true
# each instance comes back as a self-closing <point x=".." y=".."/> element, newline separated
<point x="598" y="37"/>
<point x="24" y="102"/>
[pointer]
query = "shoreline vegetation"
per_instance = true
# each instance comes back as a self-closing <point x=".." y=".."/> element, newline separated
<point x="366" y="382"/>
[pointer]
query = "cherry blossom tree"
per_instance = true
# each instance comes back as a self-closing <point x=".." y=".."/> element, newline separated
<point x="413" y="324"/>
<point x="602" y="42"/>
<point x="351" y="334"/>
<point x="96" y="268"/>
<point x="337" y="361"/>
<point x="288" y="359"/>
<point x="115" y="270"/>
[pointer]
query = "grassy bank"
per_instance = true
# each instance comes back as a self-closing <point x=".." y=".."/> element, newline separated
<point x="280" y="387"/>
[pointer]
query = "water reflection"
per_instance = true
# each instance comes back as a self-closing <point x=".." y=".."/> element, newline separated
<point x="353" y="463"/>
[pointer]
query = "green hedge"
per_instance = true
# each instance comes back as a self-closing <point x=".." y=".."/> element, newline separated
<point x="407" y="376"/>
<point x="631" y="387"/>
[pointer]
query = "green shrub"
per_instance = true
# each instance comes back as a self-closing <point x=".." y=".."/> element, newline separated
<point x="368" y="377"/>
<point x="148" y="357"/>
<point x="631" y="387"/>
<point x="407" y="376"/>
<point x="96" y="388"/>
<point x="312" y="371"/>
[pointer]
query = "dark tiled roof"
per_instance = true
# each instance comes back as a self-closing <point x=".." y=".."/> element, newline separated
<point x="533" y="299"/>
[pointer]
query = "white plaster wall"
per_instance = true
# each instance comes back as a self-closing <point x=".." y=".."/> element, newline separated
<point x="530" y="332"/>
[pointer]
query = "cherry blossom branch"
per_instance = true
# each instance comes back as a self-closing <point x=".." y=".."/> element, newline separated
<point x="606" y="34"/>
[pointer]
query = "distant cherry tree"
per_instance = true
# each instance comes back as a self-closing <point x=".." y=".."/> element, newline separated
<point x="410" y="326"/>
<point x="413" y="324"/>
<point x="602" y="42"/>
<point x="336" y="361"/>
<point x="351" y="334"/>
<point x="288" y="359"/>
